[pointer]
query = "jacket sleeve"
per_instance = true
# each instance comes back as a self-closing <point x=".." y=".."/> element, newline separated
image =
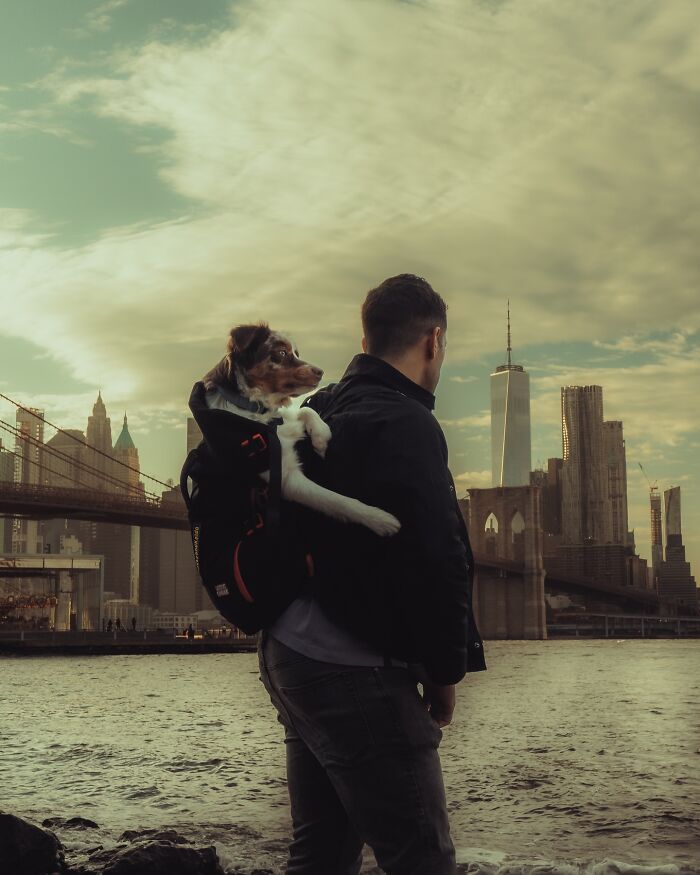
<point x="431" y="575"/>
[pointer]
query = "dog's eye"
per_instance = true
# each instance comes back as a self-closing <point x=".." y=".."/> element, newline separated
<point x="279" y="355"/>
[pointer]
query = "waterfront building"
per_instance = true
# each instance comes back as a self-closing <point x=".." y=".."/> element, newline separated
<point x="99" y="453"/>
<point x="657" y="549"/>
<point x="614" y="450"/>
<point x="64" y="469"/>
<point x="127" y="469"/>
<point x="125" y="610"/>
<point x="172" y="620"/>
<point x="586" y="507"/>
<point x="28" y="470"/>
<point x="549" y="481"/>
<point x="510" y="423"/>
<point x="7" y="474"/>
<point x="674" y="578"/>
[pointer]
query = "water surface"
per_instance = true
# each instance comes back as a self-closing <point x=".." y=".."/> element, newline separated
<point x="563" y="753"/>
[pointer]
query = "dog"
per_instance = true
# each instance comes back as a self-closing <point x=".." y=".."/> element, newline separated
<point x="257" y="379"/>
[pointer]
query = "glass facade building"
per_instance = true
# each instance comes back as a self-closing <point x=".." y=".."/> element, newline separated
<point x="510" y="424"/>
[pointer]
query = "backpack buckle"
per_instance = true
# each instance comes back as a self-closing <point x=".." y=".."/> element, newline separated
<point x="255" y="445"/>
<point x="257" y="523"/>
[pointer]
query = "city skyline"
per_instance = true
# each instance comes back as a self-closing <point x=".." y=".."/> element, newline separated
<point x="612" y="448"/>
<point x="148" y="206"/>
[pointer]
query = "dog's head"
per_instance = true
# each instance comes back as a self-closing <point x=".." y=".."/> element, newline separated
<point x="266" y="365"/>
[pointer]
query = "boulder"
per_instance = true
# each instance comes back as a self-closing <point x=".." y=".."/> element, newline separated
<point x="26" y="849"/>
<point x="71" y="823"/>
<point x="164" y="858"/>
<point x="154" y="835"/>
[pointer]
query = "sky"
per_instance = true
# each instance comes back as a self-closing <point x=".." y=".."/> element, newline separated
<point x="170" y="169"/>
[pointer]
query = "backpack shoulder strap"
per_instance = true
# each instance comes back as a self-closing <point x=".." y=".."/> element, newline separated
<point x="272" y="515"/>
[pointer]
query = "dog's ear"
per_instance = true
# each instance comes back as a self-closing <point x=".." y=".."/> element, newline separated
<point x="244" y="340"/>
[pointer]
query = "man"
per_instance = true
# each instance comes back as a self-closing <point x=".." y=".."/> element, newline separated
<point x="341" y="664"/>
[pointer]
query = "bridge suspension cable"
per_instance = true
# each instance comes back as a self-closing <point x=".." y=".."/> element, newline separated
<point x="107" y="479"/>
<point x="85" y="443"/>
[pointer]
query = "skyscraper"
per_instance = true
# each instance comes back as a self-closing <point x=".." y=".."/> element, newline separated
<point x="675" y="579"/>
<point x="510" y="423"/>
<point x="99" y="437"/>
<point x="586" y="506"/>
<point x="28" y="470"/>
<point x="657" y="549"/>
<point x="672" y="505"/>
<point x="614" y="449"/>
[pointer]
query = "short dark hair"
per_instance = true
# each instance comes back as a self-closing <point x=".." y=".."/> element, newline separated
<point x="398" y="312"/>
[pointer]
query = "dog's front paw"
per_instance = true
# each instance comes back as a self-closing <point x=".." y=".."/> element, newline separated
<point x="382" y="523"/>
<point x="320" y="435"/>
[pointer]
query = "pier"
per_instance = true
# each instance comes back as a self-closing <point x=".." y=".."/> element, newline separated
<point x="86" y="643"/>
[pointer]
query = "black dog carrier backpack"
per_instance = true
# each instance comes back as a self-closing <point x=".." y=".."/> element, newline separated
<point x="246" y="541"/>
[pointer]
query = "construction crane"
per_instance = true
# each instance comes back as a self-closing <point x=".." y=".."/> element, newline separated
<point x="652" y="486"/>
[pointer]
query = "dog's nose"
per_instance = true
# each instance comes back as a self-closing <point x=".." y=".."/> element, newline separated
<point x="317" y="372"/>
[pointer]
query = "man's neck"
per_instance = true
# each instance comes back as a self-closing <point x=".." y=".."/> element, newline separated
<point x="410" y="366"/>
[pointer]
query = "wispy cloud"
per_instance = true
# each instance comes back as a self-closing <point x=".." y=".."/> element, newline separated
<point x="477" y="420"/>
<point x="98" y="20"/>
<point x="473" y="480"/>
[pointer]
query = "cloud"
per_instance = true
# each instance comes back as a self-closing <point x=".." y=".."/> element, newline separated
<point x="474" y="480"/>
<point x="458" y="379"/>
<point x="550" y="152"/>
<point x="98" y="19"/>
<point x="478" y="420"/>
<point x="651" y="398"/>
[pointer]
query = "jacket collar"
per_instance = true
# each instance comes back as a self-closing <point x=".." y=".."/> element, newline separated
<point x="241" y="401"/>
<point x="365" y="366"/>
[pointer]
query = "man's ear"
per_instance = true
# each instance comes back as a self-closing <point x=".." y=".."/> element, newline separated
<point x="364" y="344"/>
<point x="433" y="342"/>
<point x="246" y="339"/>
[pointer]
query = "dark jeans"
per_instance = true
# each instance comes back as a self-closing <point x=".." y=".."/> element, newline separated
<point x="362" y="766"/>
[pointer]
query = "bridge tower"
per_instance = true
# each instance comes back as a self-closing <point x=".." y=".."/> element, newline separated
<point x="504" y="523"/>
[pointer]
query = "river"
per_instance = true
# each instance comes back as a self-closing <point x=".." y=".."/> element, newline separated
<point x="575" y="755"/>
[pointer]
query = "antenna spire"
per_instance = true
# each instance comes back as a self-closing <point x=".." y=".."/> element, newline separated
<point x="509" y="346"/>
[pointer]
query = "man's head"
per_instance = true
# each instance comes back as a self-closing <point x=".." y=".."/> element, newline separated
<point x="405" y="323"/>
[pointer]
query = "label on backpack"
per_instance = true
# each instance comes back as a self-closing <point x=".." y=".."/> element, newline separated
<point x="222" y="589"/>
<point x="195" y="543"/>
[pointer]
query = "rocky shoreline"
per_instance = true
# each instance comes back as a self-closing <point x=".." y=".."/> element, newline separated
<point x="28" y="849"/>
<point x="85" y="848"/>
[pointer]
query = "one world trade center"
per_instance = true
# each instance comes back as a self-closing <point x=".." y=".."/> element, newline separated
<point x="510" y="423"/>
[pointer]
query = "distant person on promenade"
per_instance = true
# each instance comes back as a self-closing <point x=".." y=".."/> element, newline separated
<point x="118" y="624"/>
<point x="133" y="624"/>
<point x="109" y="625"/>
<point x="341" y="665"/>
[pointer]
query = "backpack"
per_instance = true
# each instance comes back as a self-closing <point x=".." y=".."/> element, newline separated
<point x="247" y="542"/>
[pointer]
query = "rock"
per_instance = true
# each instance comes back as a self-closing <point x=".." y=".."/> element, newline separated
<point x="154" y="835"/>
<point x="71" y="823"/>
<point x="162" y="858"/>
<point x="26" y="849"/>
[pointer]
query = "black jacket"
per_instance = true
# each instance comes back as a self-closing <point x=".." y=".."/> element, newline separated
<point x="409" y="595"/>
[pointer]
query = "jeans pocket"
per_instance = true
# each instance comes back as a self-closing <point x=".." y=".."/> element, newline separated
<point x="328" y="715"/>
<point x="277" y="655"/>
<point x="410" y="714"/>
